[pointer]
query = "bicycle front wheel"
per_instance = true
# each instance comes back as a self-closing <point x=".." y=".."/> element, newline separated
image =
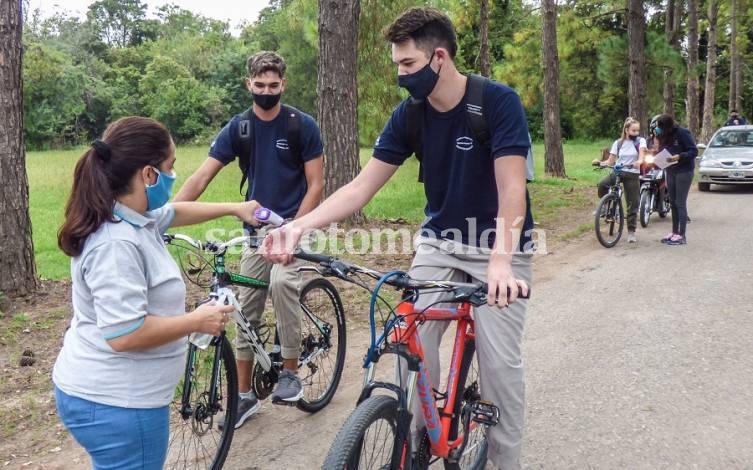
<point x="322" y="343"/>
<point x="367" y="439"/>
<point x="196" y="442"/>
<point x="645" y="207"/>
<point x="468" y="390"/>
<point x="609" y="220"/>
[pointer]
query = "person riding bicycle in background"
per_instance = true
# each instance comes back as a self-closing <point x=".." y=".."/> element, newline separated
<point x="627" y="152"/>
<point x="285" y="174"/>
<point x="472" y="191"/>
<point x="123" y="355"/>
<point x="679" y="142"/>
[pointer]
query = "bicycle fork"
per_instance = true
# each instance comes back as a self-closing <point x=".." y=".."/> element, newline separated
<point x="205" y="409"/>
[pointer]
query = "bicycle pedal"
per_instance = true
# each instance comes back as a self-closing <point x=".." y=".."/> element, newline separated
<point x="484" y="412"/>
<point x="277" y="401"/>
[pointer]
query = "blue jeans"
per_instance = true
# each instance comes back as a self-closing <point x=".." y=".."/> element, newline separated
<point x="116" y="438"/>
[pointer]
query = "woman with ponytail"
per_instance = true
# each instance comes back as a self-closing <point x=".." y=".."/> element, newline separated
<point x="679" y="142"/>
<point x="627" y="152"/>
<point x="123" y="353"/>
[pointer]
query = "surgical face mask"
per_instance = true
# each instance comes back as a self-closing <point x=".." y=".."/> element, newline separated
<point x="420" y="84"/>
<point x="159" y="193"/>
<point x="266" y="102"/>
<point x="657" y="131"/>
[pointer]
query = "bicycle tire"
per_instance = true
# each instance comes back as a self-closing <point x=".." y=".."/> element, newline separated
<point x="476" y="450"/>
<point x="644" y="208"/>
<point x="195" y="441"/>
<point x="367" y="422"/>
<point x="321" y="376"/>
<point x="609" y="220"/>
<point x="665" y="206"/>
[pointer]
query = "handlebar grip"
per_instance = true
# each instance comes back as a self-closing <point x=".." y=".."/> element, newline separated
<point x="485" y="288"/>
<point x="313" y="257"/>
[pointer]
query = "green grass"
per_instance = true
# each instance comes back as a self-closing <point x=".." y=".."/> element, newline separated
<point x="50" y="177"/>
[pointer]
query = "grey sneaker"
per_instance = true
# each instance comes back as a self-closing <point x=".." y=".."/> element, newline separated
<point x="631" y="237"/>
<point x="288" y="387"/>
<point x="246" y="407"/>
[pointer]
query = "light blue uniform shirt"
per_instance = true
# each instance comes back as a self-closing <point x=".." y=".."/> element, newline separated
<point x="123" y="273"/>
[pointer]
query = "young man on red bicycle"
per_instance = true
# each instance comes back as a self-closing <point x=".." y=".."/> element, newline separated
<point x="473" y="192"/>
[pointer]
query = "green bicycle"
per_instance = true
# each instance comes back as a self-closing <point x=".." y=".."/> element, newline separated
<point x="209" y="388"/>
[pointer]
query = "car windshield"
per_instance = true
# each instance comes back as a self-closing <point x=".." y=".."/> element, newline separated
<point x="733" y="138"/>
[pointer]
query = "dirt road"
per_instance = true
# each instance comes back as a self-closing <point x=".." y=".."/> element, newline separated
<point x="638" y="357"/>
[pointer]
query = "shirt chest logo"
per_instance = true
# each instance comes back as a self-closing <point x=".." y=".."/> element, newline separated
<point x="282" y="144"/>
<point x="464" y="143"/>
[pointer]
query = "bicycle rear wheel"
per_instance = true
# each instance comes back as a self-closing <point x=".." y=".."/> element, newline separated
<point x="367" y="439"/>
<point x="609" y="220"/>
<point x="195" y="440"/>
<point x="322" y="343"/>
<point x="476" y="447"/>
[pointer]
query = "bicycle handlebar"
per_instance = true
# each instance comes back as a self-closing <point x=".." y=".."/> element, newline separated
<point x="332" y="266"/>
<point x="209" y="246"/>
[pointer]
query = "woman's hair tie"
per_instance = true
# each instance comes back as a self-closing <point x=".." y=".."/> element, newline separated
<point x="102" y="149"/>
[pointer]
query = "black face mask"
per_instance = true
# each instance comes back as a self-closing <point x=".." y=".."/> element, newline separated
<point x="633" y="137"/>
<point x="266" y="102"/>
<point x="420" y="84"/>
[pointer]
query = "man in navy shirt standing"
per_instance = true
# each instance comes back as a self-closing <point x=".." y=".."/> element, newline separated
<point x="285" y="178"/>
<point x="478" y="220"/>
<point x="735" y="119"/>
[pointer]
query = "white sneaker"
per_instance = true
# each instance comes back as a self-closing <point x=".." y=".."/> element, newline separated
<point x="631" y="237"/>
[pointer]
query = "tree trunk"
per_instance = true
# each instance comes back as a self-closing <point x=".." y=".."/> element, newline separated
<point x="485" y="66"/>
<point x="336" y="88"/>
<point x="691" y="100"/>
<point x="554" y="159"/>
<point x="637" y="57"/>
<point x="709" y="92"/>
<point x="19" y="274"/>
<point x="672" y="31"/>
<point x="734" y="61"/>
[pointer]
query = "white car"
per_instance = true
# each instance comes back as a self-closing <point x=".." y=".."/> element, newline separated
<point x="728" y="159"/>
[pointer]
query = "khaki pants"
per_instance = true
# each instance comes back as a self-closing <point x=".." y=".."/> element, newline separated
<point x="499" y="333"/>
<point x="284" y="287"/>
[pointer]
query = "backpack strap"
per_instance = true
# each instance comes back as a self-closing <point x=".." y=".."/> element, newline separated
<point x="474" y="108"/>
<point x="415" y="120"/>
<point x="246" y="136"/>
<point x="293" y="117"/>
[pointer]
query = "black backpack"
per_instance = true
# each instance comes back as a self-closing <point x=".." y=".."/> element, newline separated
<point x="246" y="135"/>
<point x="474" y="111"/>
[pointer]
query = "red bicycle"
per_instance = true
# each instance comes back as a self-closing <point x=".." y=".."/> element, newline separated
<point x="377" y="433"/>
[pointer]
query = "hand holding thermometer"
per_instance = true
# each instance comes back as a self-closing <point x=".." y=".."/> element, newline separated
<point x="267" y="216"/>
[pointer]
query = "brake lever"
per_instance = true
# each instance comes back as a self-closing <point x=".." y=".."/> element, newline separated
<point x="309" y="269"/>
<point x="339" y="269"/>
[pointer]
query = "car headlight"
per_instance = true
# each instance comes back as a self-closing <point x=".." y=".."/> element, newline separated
<point x="709" y="163"/>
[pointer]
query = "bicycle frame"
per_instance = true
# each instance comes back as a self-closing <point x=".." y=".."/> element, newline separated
<point x="219" y="290"/>
<point x="406" y="342"/>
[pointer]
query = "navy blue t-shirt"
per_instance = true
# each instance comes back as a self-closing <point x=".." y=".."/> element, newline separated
<point x="277" y="179"/>
<point x="459" y="179"/>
